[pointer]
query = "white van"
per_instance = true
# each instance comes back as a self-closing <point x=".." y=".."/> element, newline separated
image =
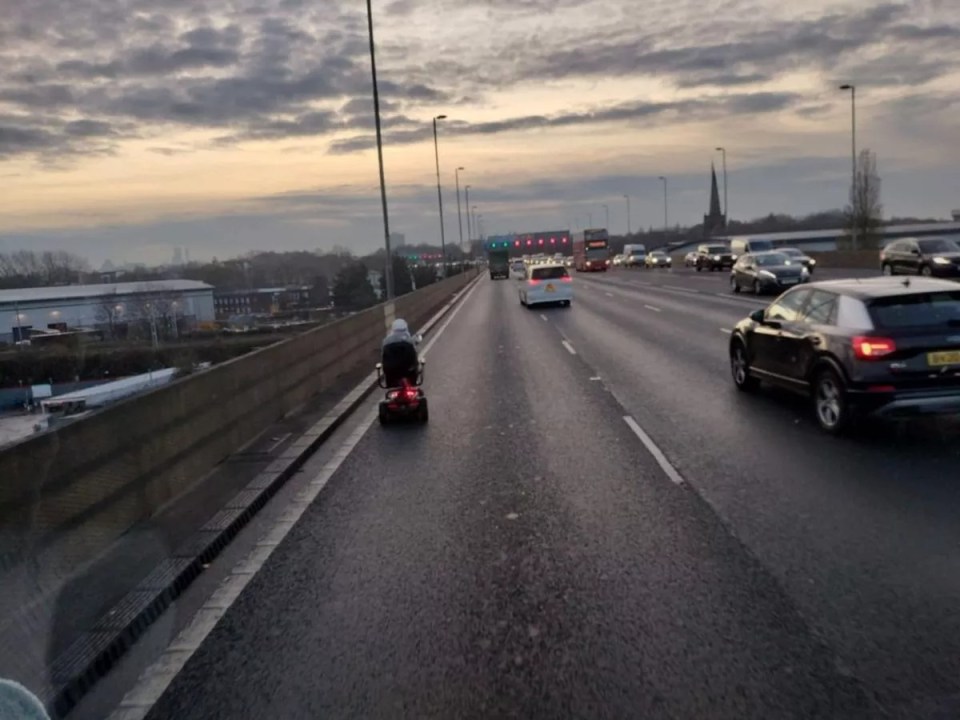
<point x="742" y="246"/>
<point x="634" y="255"/>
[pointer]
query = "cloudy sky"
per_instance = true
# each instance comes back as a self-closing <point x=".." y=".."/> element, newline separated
<point x="128" y="127"/>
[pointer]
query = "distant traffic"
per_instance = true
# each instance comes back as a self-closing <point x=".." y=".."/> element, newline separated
<point x="858" y="348"/>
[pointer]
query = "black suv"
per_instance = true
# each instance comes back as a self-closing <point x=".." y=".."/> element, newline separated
<point x="713" y="257"/>
<point x="924" y="256"/>
<point x="880" y="346"/>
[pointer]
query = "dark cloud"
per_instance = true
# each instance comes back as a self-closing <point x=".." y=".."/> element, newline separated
<point x="270" y="69"/>
<point x="89" y="128"/>
<point x="678" y="111"/>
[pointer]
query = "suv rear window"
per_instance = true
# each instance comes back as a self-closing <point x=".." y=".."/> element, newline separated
<point x="549" y="273"/>
<point x="715" y="249"/>
<point x="939" y="309"/>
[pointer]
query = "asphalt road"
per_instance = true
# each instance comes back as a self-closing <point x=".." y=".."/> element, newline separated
<point x="525" y="555"/>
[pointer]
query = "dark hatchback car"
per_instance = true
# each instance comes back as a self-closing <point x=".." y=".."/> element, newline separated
<point x="766" y="272"/>
<point x="939" y="257"/>
<point x="876" y="347"/>
<point x="713" y="257"/>
<point x="799" y="256"/>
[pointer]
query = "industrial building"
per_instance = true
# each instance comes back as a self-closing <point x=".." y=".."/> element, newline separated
<point x="26" y="311"/>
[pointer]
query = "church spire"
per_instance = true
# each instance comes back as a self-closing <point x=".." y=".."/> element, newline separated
<point x="715" y="219"/>
<point x="715" y="210"/>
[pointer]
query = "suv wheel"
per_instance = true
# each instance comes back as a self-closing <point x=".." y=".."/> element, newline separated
<point x="740" y="367"/>
<point x="887" y="269"/>
<point x="830" y="401"/>
<point x="756" y="287"/>
<point x="734" y="285"/>
<point x="698" y="266"/>
<point x="926" y="271"/>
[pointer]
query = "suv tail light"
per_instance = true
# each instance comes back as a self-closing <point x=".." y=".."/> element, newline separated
<point x="872" y="348"/>
<point x="534" y="282"/>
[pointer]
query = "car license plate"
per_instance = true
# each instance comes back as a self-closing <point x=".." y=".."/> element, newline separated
<point x="944" y="357"/>
<point x="788" y="281"/>
<point x="550" y="287"/>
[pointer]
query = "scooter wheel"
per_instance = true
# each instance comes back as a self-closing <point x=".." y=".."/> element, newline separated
<point x="384" y="416"/>
<point x="424" y="414"/>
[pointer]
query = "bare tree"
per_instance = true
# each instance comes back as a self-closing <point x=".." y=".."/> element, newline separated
<point x="109" y="312"/>
<point x="25" y="268"/>
<point x="156" y="312"/>
<point x="865" y="211"/>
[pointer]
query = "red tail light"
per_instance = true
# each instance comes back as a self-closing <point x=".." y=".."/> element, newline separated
<point x="534" y="282"/>
<point x="872" y="348"/>
<point x="566" y="278"/>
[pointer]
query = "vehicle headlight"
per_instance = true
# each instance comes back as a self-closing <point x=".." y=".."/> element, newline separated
<point x="812" y="261"/>
<point x="716" y="257"/>
<point x="804" y="272"/>
<point x="941" y="261"/>
<point x="768" y="274"/>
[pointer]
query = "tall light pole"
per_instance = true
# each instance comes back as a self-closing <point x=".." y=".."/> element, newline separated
<point x="853" y="159"/>
<point x="436" y="153"/>
<point x="456" y="174"/>
<point x="476" y="228"/>
<point x="466" y="189"/>
<point x="666" y="222"/>
<point x="606" y="210"/>
<point x="388" y="270"/>
<point x="627" y="198"/>
<point x="480" y="225"/>
<point x="726" y="204"/>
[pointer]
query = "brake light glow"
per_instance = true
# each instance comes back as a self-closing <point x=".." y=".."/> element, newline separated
<point x="534" y="282"/>
<point x="872" y="348"/>
<point x="881" y="389"/>
<point x="566" y="278"/>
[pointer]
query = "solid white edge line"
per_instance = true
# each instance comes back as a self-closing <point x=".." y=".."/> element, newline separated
<point x="543" y="317"/>
<point x="651" y="307"/>
<point x="668" y="469"/>
<point x="569" y="347"/>
<point x="609" y="294"/>
<point x="726" y="330"/>
<point x="155" y="680"/>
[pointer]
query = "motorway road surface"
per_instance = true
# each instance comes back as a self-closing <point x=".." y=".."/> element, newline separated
<point x="526" y="555"/>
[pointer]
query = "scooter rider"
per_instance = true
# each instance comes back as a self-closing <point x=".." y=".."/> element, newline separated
<point x="399" y="356"/>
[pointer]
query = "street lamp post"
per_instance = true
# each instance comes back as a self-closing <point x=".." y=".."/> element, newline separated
<point x="726" y="204"/>
<point x="627" y="198"/>
<point x="388" y="269"/>
<point x="436" y="153"/>
<point x="853" y="160"/>
<point x="666" y="222"/>
<point x="476" y="228"/>
<point x="466" y="189"/>
<point x="606" y="210"/>
<point x="459" y="216"/>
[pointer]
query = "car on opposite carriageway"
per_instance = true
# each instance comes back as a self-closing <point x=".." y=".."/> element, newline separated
<point x="713" y="256"/>
<point x="882" y="347"/>
<point x="799" y="256"/>
<point x="658" y="259"/>
<point x="766" y="272"/>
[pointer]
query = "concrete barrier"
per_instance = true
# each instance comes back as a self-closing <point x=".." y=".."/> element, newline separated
<point x="848" y="259"/>
<point x="69" y="492"/>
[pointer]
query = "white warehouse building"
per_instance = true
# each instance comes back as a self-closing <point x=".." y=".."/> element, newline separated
<point x="25" y="310"/>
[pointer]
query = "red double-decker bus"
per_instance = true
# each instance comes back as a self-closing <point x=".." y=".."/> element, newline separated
<point x="591" y="251"/>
